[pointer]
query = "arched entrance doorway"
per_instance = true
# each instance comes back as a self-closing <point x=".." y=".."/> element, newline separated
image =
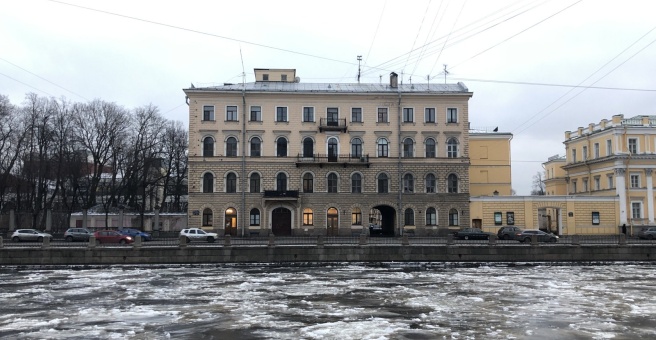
<point x="281" y="222"/>
<point x="231" y="222"/>
<point x="385" y="216"/>
<point x="333" y="222"/>
<point x="549" y="220"/>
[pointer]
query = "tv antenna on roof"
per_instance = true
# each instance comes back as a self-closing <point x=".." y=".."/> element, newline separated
<point x="359" y="60"/>
<point x="445" y="73"/>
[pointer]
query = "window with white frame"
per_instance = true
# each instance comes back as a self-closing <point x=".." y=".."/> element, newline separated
<point x="609" y="147"/>
<point x="231" y="113"/>
<point x="408" y="148"/>
<point x="308" y="183"/>
<point x="429" y="115"/>
<point x="610" y="181"/>
<point x="633" y="145"/>
<point x="208" y="147"/>
<point x="256" y="147"/>
<point x="255" y="217"/>
<point x="383" y="147"/>
<point x="636" y="210"/>
<point x="408" y="115"/>
<point x="208" y="112"/>
<point x="409" y="217"/>
<point x="231" y="183"/>
<point x="431" y="151"/>
<point x="431" y="216"/>
<point x="356" y="147"/>
<point x="452" y="183"/>
<point x="332" y="182"/>
<point x="382" y="115"/>
<point x="453" y="217"/>
<point x="356" y="183"/>
<point x="596" y="150"/>
<point x="597" y="183"/>
<point x="585" y="185"/>
<point x="452" y="147"/>
<point x="308" y="217"/>
<point x="635" y="180"/>
<point x="231" y="147"/>
<point x="256" y="114"/>
<point x="585" y="153"/>
<point x="451" y="115"/>
<point x="574" y="186"/>
<point x="254" y="183"/>
<point x="356" y="216"/>
<point x="408" y="183"/>
<point x="281" y="147"/>
<point x="431" y="183"/>
<point x="308" y="114"/>
<point x="573" y="155"/>
<point x="356" y="115"/>
<point x="281" y="114"/>
<point x="383" y="184"/>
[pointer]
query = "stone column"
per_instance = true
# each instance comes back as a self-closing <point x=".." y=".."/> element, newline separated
<point x="48" y="219"/>
<point x="650" y="196"/>
<point x="620" y="189"/>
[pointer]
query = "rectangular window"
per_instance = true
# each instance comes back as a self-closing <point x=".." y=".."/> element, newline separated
<point x="408" y="115"/>
<point x="595" y="218"/>
<point x="635" y="181"/>
<point x="231" y="113"/>
<point x="497" y="218"/>
<point x="208" y="112"/>
<point x="332" y="116"/>
<point x="633" y="145"/>
<point x="382" y="115"/>
<point x="510" y="218"/>
<point x="256" y="113"/>
<point x="451" y="115"/>
<point x="429" y="115"/>
<point x="585" y="185"/>
<point x="597" y="183"/>
<point x="610" y="181"/>
<point x="596" y="150"/>
<point x="255" y="219"/>
<point x="609" y="147"/>
<point x="265" y="77"/>
<point x="585" y="153"/>
<point x="356" y="115"/>
<point x="573" y="155"/>
<point x="636" y="210"/>
<point x="307" y="217"/>
<point x="283" y="77"/>
<point x="574" y="186"/>
<point x="281" y="114"/>
<point x="308" y="114"/>
<point x="356" y="217"/>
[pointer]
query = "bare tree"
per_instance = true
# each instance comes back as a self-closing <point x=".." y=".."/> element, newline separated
<point x="538" y="184"/>
<point x="176" y="145"/>
<point x="12" y="135"/>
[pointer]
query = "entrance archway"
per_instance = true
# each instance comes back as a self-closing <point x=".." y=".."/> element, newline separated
<point x="333" y="222"/>
<point x="386" y="217"/>
<point x="550" y="219"/>
<point x="281" y="222"/>
<point x="231" y="222"/>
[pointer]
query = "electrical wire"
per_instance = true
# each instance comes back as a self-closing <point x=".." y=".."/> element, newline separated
<point x="38" y="76"/>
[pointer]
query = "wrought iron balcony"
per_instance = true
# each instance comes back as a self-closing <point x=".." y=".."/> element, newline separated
<point x="330" y="124"/>
<point x="281" y="194"/>
<point x="321" y="159"/>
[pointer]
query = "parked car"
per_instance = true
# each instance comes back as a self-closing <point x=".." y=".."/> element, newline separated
<point x="197" y="234"/>
<point x="525" y="236"/>
<point x="136" y="232"/>
<point x="375" y="229"/>
<point x="77" y="234"/>
<point x="22" y="235"/>
<point x="472" y="234"/>
<point x="111" y="236"/>
<point x="508" y="232"/>
<point x="648" y="233"/>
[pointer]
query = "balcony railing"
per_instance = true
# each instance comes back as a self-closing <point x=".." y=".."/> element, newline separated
<point x="326" y="124"/>
<point x="281" y="194"/>
<point x="321" y="159"/>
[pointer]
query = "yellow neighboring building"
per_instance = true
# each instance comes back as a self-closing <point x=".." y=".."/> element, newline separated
<point x="555" y="182"/>
<point x="615" y="158"/>
<point x="489" y="171"/>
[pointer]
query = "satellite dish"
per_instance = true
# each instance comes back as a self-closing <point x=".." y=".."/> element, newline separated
<point x="297" y="79"/>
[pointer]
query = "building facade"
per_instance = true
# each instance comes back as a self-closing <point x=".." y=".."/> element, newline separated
<point x="615" y="158"/>
<point x="289" y="158"/>
<point x="490" y="170"/>
<point x="555" y="182"/>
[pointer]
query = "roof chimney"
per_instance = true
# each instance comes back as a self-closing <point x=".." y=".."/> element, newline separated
<point x="394" y="80"/>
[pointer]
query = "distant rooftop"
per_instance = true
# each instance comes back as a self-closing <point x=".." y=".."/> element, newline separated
<point x="335" y="88"/>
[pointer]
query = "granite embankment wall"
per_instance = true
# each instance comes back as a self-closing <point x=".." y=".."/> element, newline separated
<point x="282" y="254"/>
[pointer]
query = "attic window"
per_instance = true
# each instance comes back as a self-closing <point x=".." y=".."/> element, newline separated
<point x="265" y="77"/>
<point x="283" y="77"/>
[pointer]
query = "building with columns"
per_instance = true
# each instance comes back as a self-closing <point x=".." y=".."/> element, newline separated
<point x="615" y="158"/>
<point x="290" y="158"/>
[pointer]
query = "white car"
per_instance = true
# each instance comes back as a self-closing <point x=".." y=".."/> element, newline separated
<point x="29" y="235"/>
<point x="197" y="234"/>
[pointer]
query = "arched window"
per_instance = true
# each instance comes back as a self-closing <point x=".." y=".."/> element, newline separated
<point x="356" y="183"/>
<point x="308" y="147"/>
<point x="281" y="182"/>
<point x="231" y="183"/>
<point x="356" y="216"/>
<point x="452" y="183"/>
<point x="332" y="182"/>
<point x="308" y="183"/>
<point x="255" y="183"/>
<point x="356" y="147"/>
<point x="308" y="217"/>
<point x="453" y="217"/>
<point x="207" y="217"/>
<point x="452" y="147"/>
<point x="431" y="183"/>
<point x="383" y="186"/>
<point x="409" y="217"/>
<point x="408" y="183"/>
<point x="281" y="147"/>
<point x="430" y="148"/>
<point x="255" y="217"/>
<point x="208" y="182"/>
<point x="431" y="216"/>
<point x="208" y="147"/>
<point x="332" y="150"/>
<point x="256" y="147"/>
<point x="383" y="148"/>
<point x="231" y="147"/>
<point x="408" y="148"/>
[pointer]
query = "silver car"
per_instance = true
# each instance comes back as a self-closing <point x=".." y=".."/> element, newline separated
<point x="22" y="235"/>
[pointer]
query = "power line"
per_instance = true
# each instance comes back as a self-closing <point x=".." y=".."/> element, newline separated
<point x="554" y="85"/>
<point x="28" y="85"/>
<point x="38" y="76"/>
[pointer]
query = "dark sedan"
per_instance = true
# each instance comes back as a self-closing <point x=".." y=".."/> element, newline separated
<point x="471" y="234"/>
<point x="526" y="235"/>
<point x="136" y="232"/>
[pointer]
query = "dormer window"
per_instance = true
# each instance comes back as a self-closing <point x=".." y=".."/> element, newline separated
<point x="265" y="77"/>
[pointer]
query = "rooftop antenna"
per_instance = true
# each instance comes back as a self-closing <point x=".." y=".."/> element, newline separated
<point x="243" y="72"/>
<point x="428" y="81"/>
<point x="359" y="60"/>
<point x="445" y="73"/>
<point x="381" y="78"/>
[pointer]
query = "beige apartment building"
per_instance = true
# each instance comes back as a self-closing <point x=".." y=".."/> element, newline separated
<point x="290" y="158"/>
<point x="490" y="169"/>
<point x="615" y="158"/>
<point x="554" y="176"/>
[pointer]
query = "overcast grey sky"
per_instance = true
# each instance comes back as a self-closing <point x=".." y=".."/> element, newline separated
<point x="521" y="59"/>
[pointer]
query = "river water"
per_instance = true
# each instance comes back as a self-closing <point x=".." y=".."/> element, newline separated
<point x="337" y="301"/>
